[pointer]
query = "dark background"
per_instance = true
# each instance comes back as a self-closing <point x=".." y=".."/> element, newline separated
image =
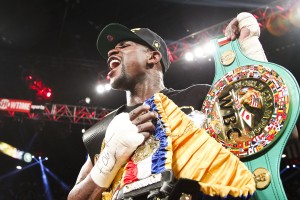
<point x="56" y="41"/>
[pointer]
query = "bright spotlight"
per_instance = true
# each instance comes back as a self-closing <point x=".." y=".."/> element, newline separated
<point x="27" y="157"/>
<point x="100" y="89"/>
<point x="19" y="167"/>
<point x="189" y="56"/>
<point x="48" y="94"/>
<point x="294" y="165"/>
<point x="199" y="53"/>
<point x="288" y="166"/>
<point x="83" y="130"/>
<point x="107" y="86"/>
<point x="209" y="48"/>
<point x="283" y="156"/>
<point x="46" y="158"/>
<point x="40" y="157"/>
<point x="87" y="100"/>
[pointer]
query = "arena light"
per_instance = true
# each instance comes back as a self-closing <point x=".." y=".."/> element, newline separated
<point x="14" y="152"/>
<point x="199" y="52"/>
<point x="48" y="94"/>
<point x="107" y="87"/>
<point x="103" y="87"/>
<point x="45" y="180"/>
<point x="100" y="88"/>
<point x="43" y="92"/>
<point x="189" y="56"/>
<point x="87" y="100"/>
<point x="27" y="157"/>
<point x="209" y="48"/>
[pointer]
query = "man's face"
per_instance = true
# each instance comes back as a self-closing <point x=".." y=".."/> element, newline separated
<point x="127" y="63"/>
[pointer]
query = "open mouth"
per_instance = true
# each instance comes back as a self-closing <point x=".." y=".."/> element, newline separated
<point x="113" y="63"/>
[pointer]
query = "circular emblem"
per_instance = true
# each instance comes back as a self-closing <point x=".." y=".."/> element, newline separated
<point x="145" y="150"/>
<point x="246" y="109"/>
<point x="110" y="38"/>
<point x="227" y="57"/>
<point x="262" y="178"/>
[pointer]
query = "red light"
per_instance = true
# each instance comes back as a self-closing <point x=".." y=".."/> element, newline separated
<point x="48" y="95"/>
<point x="42" y="91"/>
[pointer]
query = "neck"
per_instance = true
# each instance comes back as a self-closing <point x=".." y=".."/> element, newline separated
<point x="143" y="91"/>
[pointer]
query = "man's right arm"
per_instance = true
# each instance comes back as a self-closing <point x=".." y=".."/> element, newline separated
<point x="85" y="187"/>
<point x="123" y="135"/>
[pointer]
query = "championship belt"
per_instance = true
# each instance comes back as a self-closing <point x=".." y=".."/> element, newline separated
<point x="202" y="168"/>
<point x="251" y="110"/>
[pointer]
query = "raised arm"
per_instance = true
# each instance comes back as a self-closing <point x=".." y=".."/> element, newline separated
<point x="246" y="28"/>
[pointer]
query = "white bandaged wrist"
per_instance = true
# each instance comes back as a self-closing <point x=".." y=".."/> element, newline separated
<point x="105" y="169"/>
<point x="251" y="45"/>
<point x="121" y="139"/>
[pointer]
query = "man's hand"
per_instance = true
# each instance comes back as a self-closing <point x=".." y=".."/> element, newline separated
<point x="142" y="118"/>
<point x="121" y="139"/>
<point x="246" y="28"/>
<point x="123" y="135"/>
<point x="232" y="30"/>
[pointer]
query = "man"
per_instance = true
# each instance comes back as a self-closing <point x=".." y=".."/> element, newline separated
<point x="137" y="60"/>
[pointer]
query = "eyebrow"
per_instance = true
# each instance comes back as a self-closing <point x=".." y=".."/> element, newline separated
<point x="123" y="42"/>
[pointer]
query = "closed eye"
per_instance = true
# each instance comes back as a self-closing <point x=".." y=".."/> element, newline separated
<point x="123" y="45"/>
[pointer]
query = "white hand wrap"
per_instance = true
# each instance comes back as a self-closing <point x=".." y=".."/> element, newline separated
<point x="121" y="139"/>
<point x="251" y="45"/>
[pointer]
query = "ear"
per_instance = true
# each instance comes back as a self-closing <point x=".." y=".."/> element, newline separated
<point x="154" y="57"/>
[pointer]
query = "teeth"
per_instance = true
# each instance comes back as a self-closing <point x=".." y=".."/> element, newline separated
<point x="114" y="63"/>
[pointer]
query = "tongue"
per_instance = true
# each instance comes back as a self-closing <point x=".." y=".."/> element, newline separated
<point x="115" y="64"/>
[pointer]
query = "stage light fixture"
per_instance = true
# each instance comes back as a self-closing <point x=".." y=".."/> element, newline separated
<point x="87" y="100"/>
<point x="100" y="88"/>
<point x="19" y="167"/>
<point x="199" y="53"/>
<point x="43" y="92"/>
<point x="189" y="56"/>
<point x="27" y="157"/>
<point x="48" y="95"/>
<point x="107" y="86"/>
<point x="209" y="48"/>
